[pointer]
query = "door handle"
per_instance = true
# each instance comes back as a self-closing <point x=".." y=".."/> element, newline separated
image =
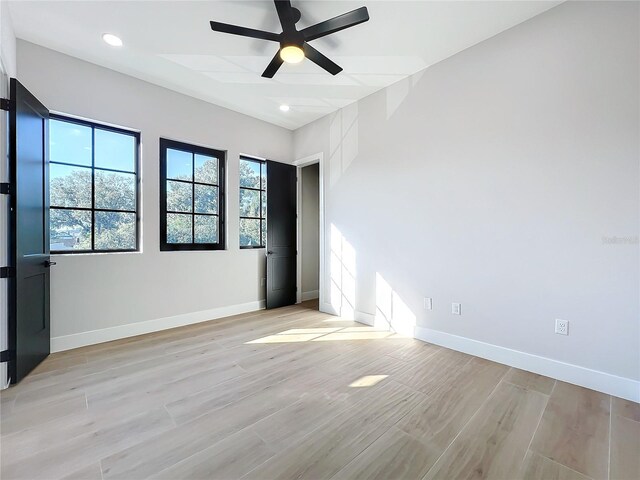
<point x="48" y="264"/>
<point x="269" y="252"/>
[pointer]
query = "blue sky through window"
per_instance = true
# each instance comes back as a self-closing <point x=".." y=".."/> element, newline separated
<point x="69" y="143"/>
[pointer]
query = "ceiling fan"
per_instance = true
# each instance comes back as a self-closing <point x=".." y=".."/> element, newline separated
<point x="294" y="46"/>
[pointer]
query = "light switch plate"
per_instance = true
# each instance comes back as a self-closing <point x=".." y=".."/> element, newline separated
<point x="428" y="303"/>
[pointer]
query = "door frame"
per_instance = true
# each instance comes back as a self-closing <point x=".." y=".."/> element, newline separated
<point x="300" y="164"/>
<point x="5" y="224"/>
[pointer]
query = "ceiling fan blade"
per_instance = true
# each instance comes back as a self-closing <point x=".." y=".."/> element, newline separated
<point x="319" y="59"/>
<point x="285" y="14"/>
<point x="335" y="24"/>
<point x="274" y="65"/>
<point x="244" y="31"/>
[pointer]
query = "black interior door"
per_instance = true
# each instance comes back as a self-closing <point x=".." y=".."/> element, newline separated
<point x="29" y="232"/>
<point x="281" y="234"/>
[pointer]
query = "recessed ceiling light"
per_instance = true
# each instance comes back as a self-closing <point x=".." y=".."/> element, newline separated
<point x="112" y="40"/>
<point x="284" y="108"/>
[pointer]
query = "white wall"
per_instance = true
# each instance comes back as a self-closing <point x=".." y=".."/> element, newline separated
<point x="494" y="179"/>
<point x="310" y="179"/>
<point x="127" y="293"/>
<point x="7" y="41"/>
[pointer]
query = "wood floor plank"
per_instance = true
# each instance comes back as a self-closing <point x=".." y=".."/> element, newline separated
<point x="213" y="398"/>
<point x="625" y="408"/>
<point x="154" y="392"/>
<point x="23" y="419"/>
<point x="429" y="374"/>
<point x="414" y="351"/>
<point x="230" y="458"/>
<point x="443" y="414"/>
<point x="54" y="362"/>
<point x="59" y="431"/>
<point x="530" y="380"/>
<point x="574" y="430"/>
<point x="395" y="455"/>
<point x="92" y="472"/>
<point x="625" y="449"/>
<point x="145" y="349"/>
<point x="494" y="443"/>
<point x="163" y="451"/>
<point x="126" y="376"/>
<point x="58" y="460"/>
<point x="7" y="399"/>
<point x="326" y="450"/>
<point x="290" y="353"/>
<point x="284" y="429"/>
<point x="537" y="467"/>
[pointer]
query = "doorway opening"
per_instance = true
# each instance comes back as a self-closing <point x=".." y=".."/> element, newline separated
<point x="310" y="231"/>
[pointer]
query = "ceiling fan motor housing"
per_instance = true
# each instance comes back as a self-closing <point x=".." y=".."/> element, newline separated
<point x="292" y="40"/>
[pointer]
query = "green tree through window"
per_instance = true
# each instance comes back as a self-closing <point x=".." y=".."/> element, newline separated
<point x="191" y="189"/>
<point x="93" y="187"/>
<point x="253" y="203"/>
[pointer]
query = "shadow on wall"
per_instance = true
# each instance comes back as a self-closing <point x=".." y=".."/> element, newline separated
<point x="342" y="293"/>
<point x="343" y="127"/>
<point x="343" y="142"/>
<point x="397" y="93"/>
<point x="391" y="312"/>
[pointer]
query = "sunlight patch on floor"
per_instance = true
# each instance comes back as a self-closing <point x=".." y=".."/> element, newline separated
<point x="282" y="338"/>
<point x="328" y="334"/>
<point x="365" y="329"/>
<point x="368" y="381"/>
<point x="332" y="337"/>
<point x="318" y="330"/>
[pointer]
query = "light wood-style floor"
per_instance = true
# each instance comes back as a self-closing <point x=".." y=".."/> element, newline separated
<point x="294" y="393"/>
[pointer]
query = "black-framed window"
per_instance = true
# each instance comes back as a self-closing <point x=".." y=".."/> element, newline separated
<point x="191" y="197"/>
<point x="93" y="187"/>
<point x="253" y="203"/>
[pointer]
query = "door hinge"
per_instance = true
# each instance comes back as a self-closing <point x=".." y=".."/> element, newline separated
<point x="5" y="188"/>
<point x="7" y="272"/>
<point x="6" y="104"/>
<point x="5" y="356"/>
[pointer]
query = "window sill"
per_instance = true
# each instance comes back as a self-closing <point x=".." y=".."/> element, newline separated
<point x="82" y="254"/>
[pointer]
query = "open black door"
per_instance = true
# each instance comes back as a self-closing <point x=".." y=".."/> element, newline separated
<point x="281" y="234"/>
<point x="29" y="232"/>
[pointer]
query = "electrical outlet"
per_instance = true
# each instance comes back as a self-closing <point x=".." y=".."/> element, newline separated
<point x="456" y="308"/>
<point x="562" y="327"/>
<point x="428" y="303"/>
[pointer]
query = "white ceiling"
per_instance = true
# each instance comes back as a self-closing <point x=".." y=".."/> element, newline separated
<point x="170" y="43"/>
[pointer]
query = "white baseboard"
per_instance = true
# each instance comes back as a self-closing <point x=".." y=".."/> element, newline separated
<point x="596" y="380"/>
<point x="356" y="316"/>
<point x="67" y="342"/>
<point x="310" y="295"/>
<point x="328" y="308"/>
<point x="366" y="318"/>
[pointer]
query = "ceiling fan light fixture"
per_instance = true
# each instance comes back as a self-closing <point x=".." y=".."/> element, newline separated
<point x="292" y="54"/>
